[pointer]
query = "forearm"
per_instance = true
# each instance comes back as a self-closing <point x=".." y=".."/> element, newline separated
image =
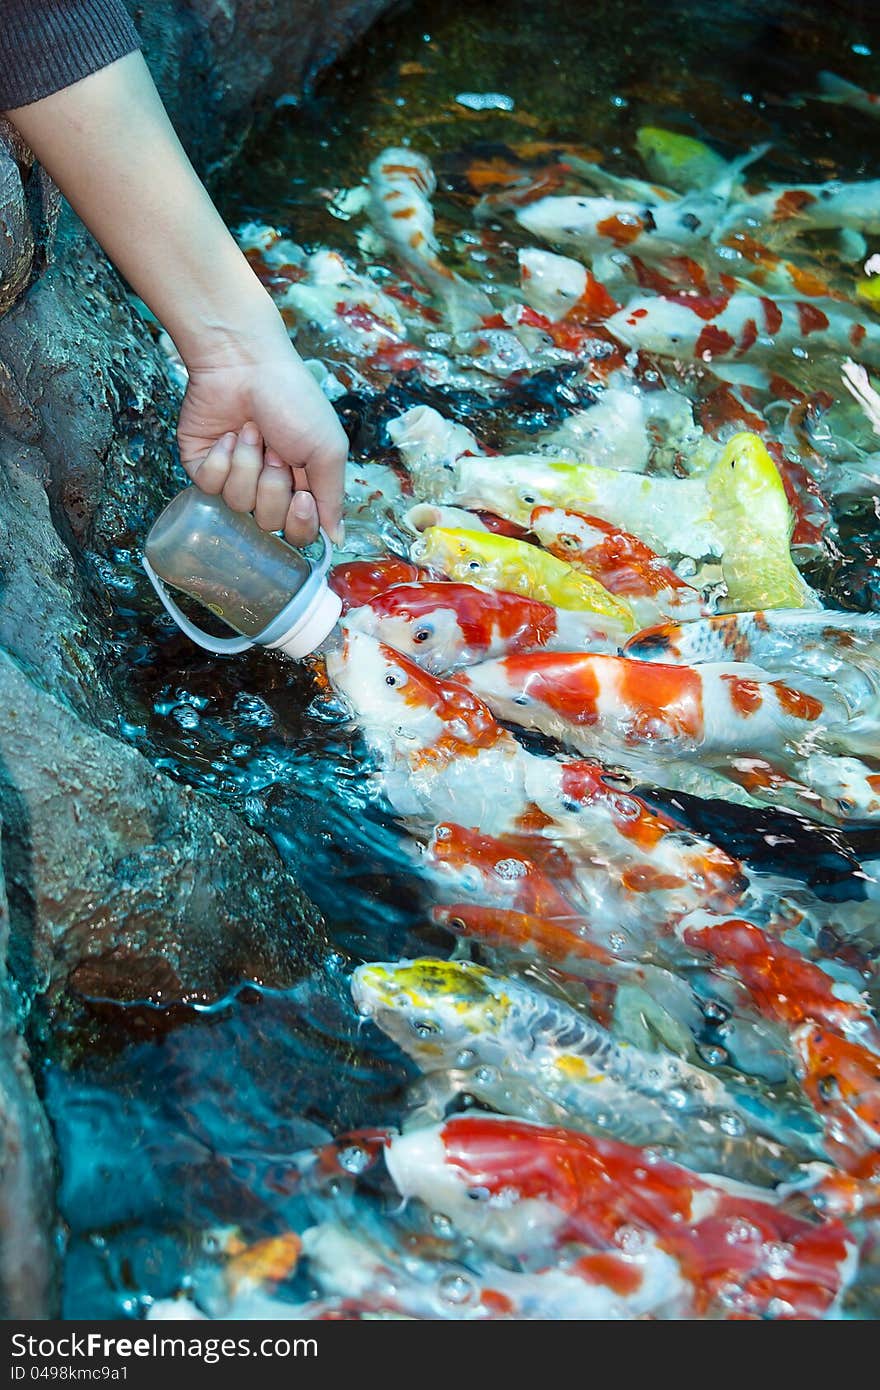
<point x="109" y="145"/>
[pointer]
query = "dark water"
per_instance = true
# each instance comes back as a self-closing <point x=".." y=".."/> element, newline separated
<point x="169" y="1128"/>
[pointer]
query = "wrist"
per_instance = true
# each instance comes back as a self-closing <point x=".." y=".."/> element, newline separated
<point x="245" y="328"/>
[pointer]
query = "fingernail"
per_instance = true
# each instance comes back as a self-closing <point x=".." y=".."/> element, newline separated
<point x="304" y="506"/>
<point x="229" y="439"/>
<point x="250" y="434"/>
<point x="339" y="534"/>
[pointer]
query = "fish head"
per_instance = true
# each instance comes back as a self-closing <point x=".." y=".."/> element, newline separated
<point x="395" y="699"/>
<point x="470" y="556"/>
<point x="465" y="1172"/>
<point x="441" y="1013"/>
<point x="419" y="620"/>
<point x="358" y="581"/>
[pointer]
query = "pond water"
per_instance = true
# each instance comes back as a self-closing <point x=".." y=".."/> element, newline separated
<point x="175" y="1130"/>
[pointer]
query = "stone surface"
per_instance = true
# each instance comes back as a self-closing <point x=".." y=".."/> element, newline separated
<point x="27" y="1273"/>
<point x="217" y="62"/>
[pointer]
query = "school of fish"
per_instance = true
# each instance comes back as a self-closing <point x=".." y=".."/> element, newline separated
<point x="648" y="1064"/>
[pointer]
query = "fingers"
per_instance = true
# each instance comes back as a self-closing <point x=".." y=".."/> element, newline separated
<point x="325" y="472"/>
<point x="274" y="494"/>
<point x="210" y="472"/>
<point x="240" y="487"/>
<point x="301" y="526"/>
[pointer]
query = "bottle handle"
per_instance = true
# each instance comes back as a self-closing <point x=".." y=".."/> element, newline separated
<point x="222" y="646"/>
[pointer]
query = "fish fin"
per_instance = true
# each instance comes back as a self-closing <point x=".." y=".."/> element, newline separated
<point x="858" y="383"/>
<point x="725" y="184"/>
<point x="851" y="245"/>
<point x="837" y="89"/>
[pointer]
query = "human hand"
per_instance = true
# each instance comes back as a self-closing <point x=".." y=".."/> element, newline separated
<point x="256" y="427"/>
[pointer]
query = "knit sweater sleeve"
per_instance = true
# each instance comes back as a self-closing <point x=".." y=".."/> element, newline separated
<point x="48" y="44"/>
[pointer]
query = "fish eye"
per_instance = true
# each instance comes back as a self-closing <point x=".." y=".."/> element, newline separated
<point x="526" y="497"/>
<point x="422" y="634"/>
<point x="395" y="678"/>
<point x="569" y="541"/>
<point x="473" y="564"/>
<point x="520" y="699"/>
<point x="457" y="923"/>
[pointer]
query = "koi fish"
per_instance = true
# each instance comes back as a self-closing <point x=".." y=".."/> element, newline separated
<point x="738" y="1254"/>
<point x="620" y="562"/>
<point x="359" y="581"/>
<point x="553" y="285"/>
<point x="650" y="227"/>
<point x="501" y="562"/>
<point x="401" y="184"/>
<point x="344" y="305"/>
<point x="651" y="850"/>
<point x="840" y="92"/>
<point x="372" y="1270"/>
<point x="678" y="160"/>
<point x="749" y="260"/>
<point x="446" y="625"/>
<point x="839" y="646"/>
<point x="519" y="1047"/>
<point x="789" y="209"/>
<point x="842" y="1079"/>
<point x="756" y="523"/>
<point x="687" y="516"/>
<point x="708" y="712"/>
<point x="783" y="985"/>
<point x="730" y="326"/>
<point x="443" y="754"/>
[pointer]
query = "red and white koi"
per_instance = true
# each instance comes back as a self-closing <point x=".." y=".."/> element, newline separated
<point x="621" y="562"/>
<point x="445" y="625"/>
<point x="443" y="754"/>
<point x="343" y="305"/>
<point x="738" y="1254"/>
<point x="727" y="327"/>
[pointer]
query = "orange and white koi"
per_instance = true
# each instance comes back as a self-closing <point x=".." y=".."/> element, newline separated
<point x="651" y="224"/>
<point x="401" y="184"/>
<point x="708" y="712"/>
<point x="621" y="562"/>
<point x="445" y="625"/>
<point x="839" y="646"/>
<point x="738" y="1253"/>
<point x="727" y="327"/>
<point x="786" y="210"/>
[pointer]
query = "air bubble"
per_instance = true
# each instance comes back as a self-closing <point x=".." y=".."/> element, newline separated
<point x="354" y="1159"/>
<point x="731" y="1125"/>
<point x="456" y="1290"/>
